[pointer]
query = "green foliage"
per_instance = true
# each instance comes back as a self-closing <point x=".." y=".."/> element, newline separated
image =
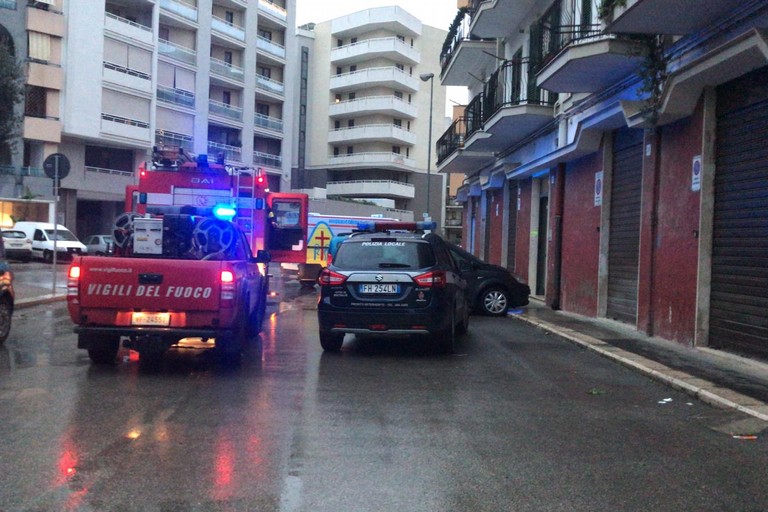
<point x="453" y="29"/>
<point x="606" y="7"/>
<point x="654" y="74"/>
<point x="11" y="94"/>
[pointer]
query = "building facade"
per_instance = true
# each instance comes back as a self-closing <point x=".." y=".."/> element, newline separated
<point x="208" y="76"/>
<point x="364" y="110"/>
<point x="613" y="155"/>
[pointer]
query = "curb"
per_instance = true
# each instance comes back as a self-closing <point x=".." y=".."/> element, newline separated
<point x="698" y="388"/>
<point x="35" y="301"/>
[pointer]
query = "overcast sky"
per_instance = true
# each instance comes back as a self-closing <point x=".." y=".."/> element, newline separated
<point x="435" y="13"/>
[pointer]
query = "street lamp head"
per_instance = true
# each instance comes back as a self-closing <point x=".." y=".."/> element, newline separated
<point x="426" y="76"/>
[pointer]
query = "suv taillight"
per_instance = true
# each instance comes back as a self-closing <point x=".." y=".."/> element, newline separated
<point x="73" y="281"/>
<point x="330" y="278"/>
<point x="434" y="279"/>
<point x="227" y="278"/>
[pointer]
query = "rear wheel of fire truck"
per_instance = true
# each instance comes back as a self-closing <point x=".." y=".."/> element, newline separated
<point x="331" y="342"/>
<point x="101" y="349"/>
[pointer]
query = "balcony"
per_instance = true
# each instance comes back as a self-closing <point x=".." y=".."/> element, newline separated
<point x="50" y="22"/>
<point x="166" y="138"/>
<point x="388" y="133"/>
<point x="231" y="153"/>
<point x="391" y="48"/>
<point x="128" y="28"/>
<point x="117" y="127"/>
<point x="378" y="160"/>
<point x="675" y="17"/>
<point x="511" y="107"/>
<point x="270" y="86"/>
<point x="180" y="8"/>
<point x="577" y="57"/>
<point x="45" y="129"/>
<point x="220" y="109"/>
<point x="228" y="29"/>
<point x="43" y="74"/>
<point x="176" y="52"/>
<point x="268" y="123"/>
<point x="464" y="56"/>
<point x="390" y="19"/>
<point x="451" y="155"/>
<point x="273" y="10"/>
<point x="267" y="159"/>
<point x="498" y="18"/>
<point x="390" y="77"/>
<point x="271" y="48"/>
<point x="384" y="105"/>
<point x="175" y="96"/>
<point x="371" y="188"/>
<point x="126" y="77"/>
<point x="227" y="70"/>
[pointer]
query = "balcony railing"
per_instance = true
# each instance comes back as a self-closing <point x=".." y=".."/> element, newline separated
<point x="127" y="71"/>
<point x="474" y="115"/>
<point x="452" y="139"/>
<point x="224" y="110"/>
<point x="175" y="51"/>
<point x="269" y="159"/>
<point x="103" y="170"/>
<point x="267" y="84"/>
<point x="371" y="158"/>
<point x="166" y="138"/>
<point x="456" y="36"/>
<point x="270" y="123"/>
<point x="270" y="47"/>
<point x="128" y="22"/>
<point x="560" y="27"/>
<point x="228" y="28"/>
<point x="230" y="152"/>
<point x="227" y="70"/>
<point x="273" y="9"/>
<point x="181" y="8"/>
<point x="513" y="83"/>
<point x="175" y="96"/>
<point x="8" y="4"/>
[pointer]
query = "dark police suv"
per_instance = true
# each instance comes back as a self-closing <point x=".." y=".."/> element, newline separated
<point x="393" y="280"/>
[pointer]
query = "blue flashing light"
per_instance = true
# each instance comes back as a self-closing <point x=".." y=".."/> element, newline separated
<point x="224" y="212"/>
<point x="373" y="226"/>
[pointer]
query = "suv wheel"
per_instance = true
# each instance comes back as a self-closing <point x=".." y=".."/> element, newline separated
<point x="494" y="301"/>
<point x="102" y="349"/>
<point x="445" y="340"/>
<point x="331" y="342"/>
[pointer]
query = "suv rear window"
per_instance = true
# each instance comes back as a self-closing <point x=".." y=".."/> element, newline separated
<point x="383" y="254"/>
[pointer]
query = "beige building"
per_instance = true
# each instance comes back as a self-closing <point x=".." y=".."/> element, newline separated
<point x="364" y="111"/>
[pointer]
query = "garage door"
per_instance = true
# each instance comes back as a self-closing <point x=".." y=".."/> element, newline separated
<point x="739" y="298"/>
<point x="624" y="237"/>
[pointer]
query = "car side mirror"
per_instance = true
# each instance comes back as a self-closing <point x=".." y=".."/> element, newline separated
<point x="262" y="256"/>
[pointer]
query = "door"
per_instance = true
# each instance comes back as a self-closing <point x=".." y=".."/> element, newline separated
<point x="624" y="236"/>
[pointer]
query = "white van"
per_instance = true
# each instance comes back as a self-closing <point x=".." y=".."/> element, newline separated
<point x="41" y="234"/>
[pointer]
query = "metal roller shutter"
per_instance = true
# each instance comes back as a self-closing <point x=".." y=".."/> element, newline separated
<point x="624" y="237"/>
<point x="739" y="296"/>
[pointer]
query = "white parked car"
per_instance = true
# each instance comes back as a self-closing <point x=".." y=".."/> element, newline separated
<point x="18" y="246"/>
<point x="100" y="245"/>
<point x="42" y="235"/>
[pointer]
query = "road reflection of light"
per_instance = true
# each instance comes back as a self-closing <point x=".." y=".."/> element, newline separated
<point x="134" y="434"/>
<point x="67" y="464"/>
<point x="224" y="468"/>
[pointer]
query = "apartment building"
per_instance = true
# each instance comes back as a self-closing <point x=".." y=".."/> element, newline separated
<point x="614" y="155"/>
<point x="34" y="31"/>
<point x="208" y="76"/>
<point x="368" y="96"/>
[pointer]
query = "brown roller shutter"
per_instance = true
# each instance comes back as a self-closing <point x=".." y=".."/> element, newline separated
<point x="624" y="237"/>
<point x="739" y="297"/>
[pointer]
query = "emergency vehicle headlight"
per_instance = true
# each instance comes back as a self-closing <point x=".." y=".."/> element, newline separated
<point x="224" y="212"/>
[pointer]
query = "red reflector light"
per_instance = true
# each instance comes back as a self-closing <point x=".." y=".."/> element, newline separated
<point x="434" y="279"/>
<point x="330" y="278"/>
<point x="378" y="327"/>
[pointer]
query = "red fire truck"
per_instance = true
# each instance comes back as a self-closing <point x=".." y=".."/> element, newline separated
<point x="274" y="221"/>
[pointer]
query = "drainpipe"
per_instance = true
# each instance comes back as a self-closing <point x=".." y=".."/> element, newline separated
<point x="555" y="240"/>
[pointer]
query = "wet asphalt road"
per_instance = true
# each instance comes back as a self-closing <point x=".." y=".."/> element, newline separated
<point x="515" y="420"/>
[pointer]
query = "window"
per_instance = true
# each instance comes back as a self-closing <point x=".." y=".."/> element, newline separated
<point x="338" y="98"/>
<point x="226" y="97"/>
<point x="164" y="33"/>
<point x="400" y="67"/>
<point x="351" y="96"/>
<point x="401" y="38"/>
<point x="353" y="40"/>
<point x="352" y="68"/>
<point x="265" y="34"/>
<point x="265" y="72"/>
<point x="339" y="43"/>
<point x="396" y="150"/>
<point x="229" y="16"/>
<point x="338" y="70"/>
<point x="350" y="150"/>
<point x="398" y="122"/>
<point x="228" y="58"/>
<point x="337" y="125"/>
<point x="351" y="123"/>
<point x="399" y="95"/>
<point x="335" y="151"/>
<point x="263" y="109"/>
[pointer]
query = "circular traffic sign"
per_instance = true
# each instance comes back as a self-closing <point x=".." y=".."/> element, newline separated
<point x="52" y="161"/>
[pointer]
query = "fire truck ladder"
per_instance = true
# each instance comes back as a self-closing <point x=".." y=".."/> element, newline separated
<point x="245" y="203"/>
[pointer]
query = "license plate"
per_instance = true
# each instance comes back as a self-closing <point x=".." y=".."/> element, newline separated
<point x="156" y="319"/>
<point x="14" y="245"/>
<point x="379" y="288"/>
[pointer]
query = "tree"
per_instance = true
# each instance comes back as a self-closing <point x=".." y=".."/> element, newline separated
<point x="11" y="93"/>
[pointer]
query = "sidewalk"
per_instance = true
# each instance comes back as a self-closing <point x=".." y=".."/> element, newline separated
<point x="713" y="376"/>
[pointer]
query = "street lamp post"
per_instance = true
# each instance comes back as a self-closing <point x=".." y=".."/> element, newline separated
<point x="431" y="77"/>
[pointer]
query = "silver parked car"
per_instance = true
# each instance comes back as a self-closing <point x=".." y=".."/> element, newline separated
<point x="18" y="246"/>
<point x="100" y="245"/>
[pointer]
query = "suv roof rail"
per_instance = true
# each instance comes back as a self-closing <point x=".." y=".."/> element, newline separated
<point x="381" y="226"/>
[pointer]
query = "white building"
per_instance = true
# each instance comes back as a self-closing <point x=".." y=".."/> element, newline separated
<point x="364" y="110"/>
